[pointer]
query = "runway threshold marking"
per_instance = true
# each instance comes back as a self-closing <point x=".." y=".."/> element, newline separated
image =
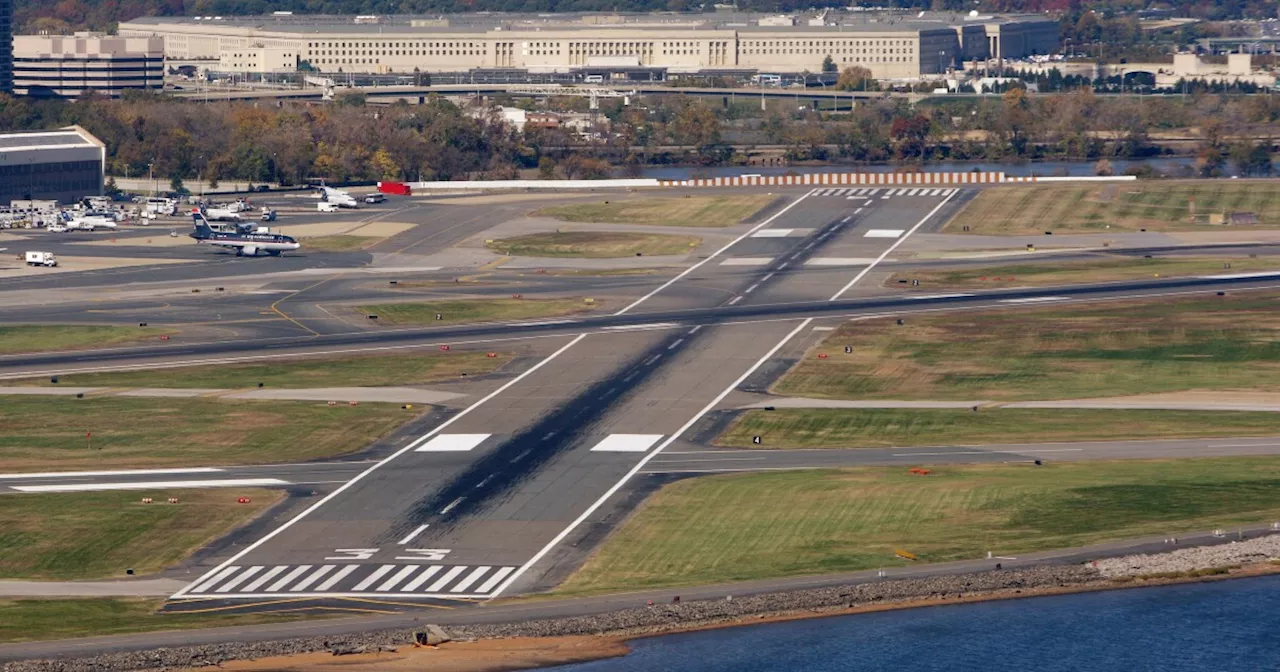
<point x="892" y="247"/>
<point x="150" y="485"/>
<point x="715" y="254"/>
<point x="448" y="443"/>
<point x="515" y="576"/>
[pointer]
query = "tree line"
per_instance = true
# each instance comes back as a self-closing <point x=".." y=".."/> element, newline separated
<point x="292" y="143"/>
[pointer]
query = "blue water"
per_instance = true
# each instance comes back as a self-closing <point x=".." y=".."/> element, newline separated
<point x="1228" y="625"/>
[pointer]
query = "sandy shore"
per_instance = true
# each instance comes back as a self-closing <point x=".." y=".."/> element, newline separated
<point x="497" y="655"/>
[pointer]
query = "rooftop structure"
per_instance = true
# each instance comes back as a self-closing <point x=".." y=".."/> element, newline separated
<point x="68" y="66"/>
<point x="65" y="165"/>
<point x="891" y="45"/>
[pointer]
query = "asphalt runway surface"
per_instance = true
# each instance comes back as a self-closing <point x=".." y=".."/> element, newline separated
<point x="499" y="497"/>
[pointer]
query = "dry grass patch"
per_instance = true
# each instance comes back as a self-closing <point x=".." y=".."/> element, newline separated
<point x="1211" y="343"/>
<point x="1050" y="272"/>
<point x="708" y="211"/>
<point x="595" y="244"/>
<point x="93" y="535"/>
<point x="743" y="527"/>
<point x="475" y="310"/>
<point x="1094" y="208"/>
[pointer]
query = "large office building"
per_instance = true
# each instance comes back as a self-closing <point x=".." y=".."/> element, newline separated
<point x="891" y="45"/>
<point x="6" y="46"/>
<point x="68" y="65"/>
<point x="64" y="165"/>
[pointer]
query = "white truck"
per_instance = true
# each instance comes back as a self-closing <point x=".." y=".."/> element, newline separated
<point x="222" y="215"/>
<point x="325" y="206"/>
<point x="41" y="259"/>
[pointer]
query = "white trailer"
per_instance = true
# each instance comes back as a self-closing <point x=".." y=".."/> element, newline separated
<point x="41" y="259"/>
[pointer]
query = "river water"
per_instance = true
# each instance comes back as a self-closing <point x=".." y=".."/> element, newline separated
<point x="1177" y="166"/>
<point x="1224" y="625"/>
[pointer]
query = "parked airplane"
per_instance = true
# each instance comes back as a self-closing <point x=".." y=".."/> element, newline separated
<point x="246" y="243"/>
<point x="338" y="197"/>
<point x="90" y="223"/>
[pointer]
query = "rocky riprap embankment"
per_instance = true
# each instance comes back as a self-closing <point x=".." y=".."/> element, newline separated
<point x="640" y="620"/>
<point x="1248" y="552"/>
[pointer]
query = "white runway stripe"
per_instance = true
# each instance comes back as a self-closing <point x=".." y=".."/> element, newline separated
<point x="368" y="580"/>
<point x="226" y="571"/>
<point x="494" y="579"/>
<point x="772" y="233"/>
<point x="421" y="579"/>
<point x="397" y="578"/>
<point x="288" y="578"/>
<point x="262" y="580"/>
<point x="448" y="577"/>
<point x="1035" y="299"/>
<point x="333" y="580"/>
<point x="240" y="578"/>
<point x="883" y="233"/>
<point x="448" y="443"/>
<point x="626" y="443"/>
<point x="471" y="578"/>
<point x="312" y="578"/>
<point x="746" y="261"/>
<point x="913" y="192"/>
<point x="873" y="192"/>
<point x="119" y="472"/>
<point x="151" y="485"/>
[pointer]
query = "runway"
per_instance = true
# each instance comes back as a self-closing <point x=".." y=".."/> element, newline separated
<point x="513" y="488"/>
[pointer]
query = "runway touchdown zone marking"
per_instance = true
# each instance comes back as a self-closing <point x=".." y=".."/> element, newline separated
<point x="626" y="443"/>
<point x="452" y="443"/>
<point x="883" y="233"/>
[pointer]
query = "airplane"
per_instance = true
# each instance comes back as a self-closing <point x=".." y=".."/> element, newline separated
<point x="338" y="197"/>
<point x="91" y="222"/>
<point x="246" y="244"/>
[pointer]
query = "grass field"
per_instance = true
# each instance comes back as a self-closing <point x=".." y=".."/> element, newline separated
<point x="882" y="428"/>
<point x="406" y="368"/>
<point x="711" y="211"/>
<point x="595" y="244"/>
<point x="35" y="620"/>
<point x="474" y="310"/>
<point x="1024" y="353"/>
<point x="44" y="338"/>
<point x="49" y="433"/>
<point x="1049" y="272"/>
<point x="338" y="243"/>
<point x="1094" y="208"/>
<point x="751" y="526"/>
<point x="95" y="535"/>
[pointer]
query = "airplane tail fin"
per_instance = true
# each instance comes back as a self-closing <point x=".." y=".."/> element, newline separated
<point x="203" y="230"/>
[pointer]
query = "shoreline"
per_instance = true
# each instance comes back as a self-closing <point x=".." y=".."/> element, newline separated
<point x="536" y="643"/>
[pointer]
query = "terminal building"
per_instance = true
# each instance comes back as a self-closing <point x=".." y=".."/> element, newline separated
<point x="67" y="66"/>
<point x="891" y="45"/>
<point x="63" y="165"/>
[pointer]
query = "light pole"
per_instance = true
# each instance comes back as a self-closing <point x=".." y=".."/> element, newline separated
<point x="151" y="176"/>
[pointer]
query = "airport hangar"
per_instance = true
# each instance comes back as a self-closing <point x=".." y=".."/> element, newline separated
<point x="891" y="45"/>
<point x="63" y="165"/>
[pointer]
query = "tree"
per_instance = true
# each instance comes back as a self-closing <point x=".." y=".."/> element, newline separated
<point x="176" y="185"/>
<point x="111" y="189"/>
<point x="855" y="78"/>
<point x="546" y="168"/>
<point x="829" y="64"/>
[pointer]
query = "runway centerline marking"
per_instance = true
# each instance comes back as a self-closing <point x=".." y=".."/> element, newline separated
<point x="715" y="254"/>
<point x="413" y="535"/>
<point x="892" y="247"/>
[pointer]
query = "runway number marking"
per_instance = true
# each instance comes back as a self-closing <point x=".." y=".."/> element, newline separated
<point x="353" y="553"/>
<point x="429" y="554"/>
